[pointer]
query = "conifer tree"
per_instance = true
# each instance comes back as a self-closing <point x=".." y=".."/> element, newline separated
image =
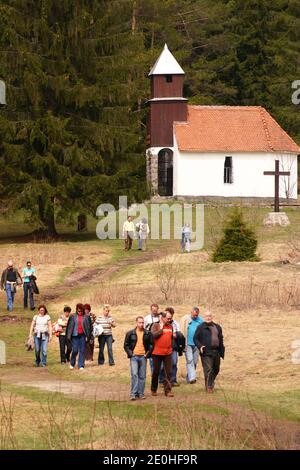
<point x="238" y="243"/>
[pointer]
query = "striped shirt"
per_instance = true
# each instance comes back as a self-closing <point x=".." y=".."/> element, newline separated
<point x="106" y="323"/>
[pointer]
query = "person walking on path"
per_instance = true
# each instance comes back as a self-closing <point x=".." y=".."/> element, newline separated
<point x="188" y="327"/>
<point x="143" y="233"/>
<point x="138" y="345"/>
<point x="128" y="232"/>
<point x="65" y="345"/>
<point x="162" y="353"/>
<point x="41" y="331"/>
<point x="107" y="323"/>
<point x="176" y="330"/>
<point x="149" y="320"/>
<point x="89" y="347"/>
<point x="79" y="330"/>
<point x="27" y="272"/>
<point x="209" y="340"/>
<point x="10" y="279"/>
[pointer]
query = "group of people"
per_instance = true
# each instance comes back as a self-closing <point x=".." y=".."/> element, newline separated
<point x="141" y="231"/>
<point x="11" y="279"/>
<point x="130" y="231"/>
<point x="157" y="338"/>
<point x="76" y="333"/>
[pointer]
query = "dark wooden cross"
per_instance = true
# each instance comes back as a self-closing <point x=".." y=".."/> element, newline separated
<point x="277" y="173"/>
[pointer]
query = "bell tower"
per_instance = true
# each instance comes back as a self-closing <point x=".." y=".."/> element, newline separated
<point x="166" y="106"/>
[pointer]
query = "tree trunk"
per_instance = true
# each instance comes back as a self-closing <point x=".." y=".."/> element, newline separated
<point x="46" y="215"/>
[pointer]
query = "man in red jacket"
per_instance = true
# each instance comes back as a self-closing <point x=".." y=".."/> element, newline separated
<point x="162" y="353"/>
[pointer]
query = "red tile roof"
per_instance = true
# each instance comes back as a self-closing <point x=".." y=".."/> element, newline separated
<point x="232" y="129"/>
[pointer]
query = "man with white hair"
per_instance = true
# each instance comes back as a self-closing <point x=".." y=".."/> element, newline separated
<point x="209" y="340"/>
<point x="9" y="280"/>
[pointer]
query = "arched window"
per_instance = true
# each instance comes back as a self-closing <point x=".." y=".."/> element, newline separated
<point x="165" y="172"/>
<point x="228" y="170"/>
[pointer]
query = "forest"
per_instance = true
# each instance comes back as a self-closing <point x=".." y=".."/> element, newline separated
<point x="73" y="132"/>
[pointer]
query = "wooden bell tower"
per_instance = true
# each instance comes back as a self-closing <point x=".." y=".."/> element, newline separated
<point x="166" y="106"/>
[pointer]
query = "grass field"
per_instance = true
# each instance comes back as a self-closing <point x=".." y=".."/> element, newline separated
<point x="257" y="400"/>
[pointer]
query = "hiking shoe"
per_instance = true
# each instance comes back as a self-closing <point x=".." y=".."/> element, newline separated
<point x="142" y="397"/>
<point x="154" y="394"/>
<point x="175" y="384"/>
<point x="132" y="398"/>
<point x="169" y="395"/>
<point x="71" y="367"/>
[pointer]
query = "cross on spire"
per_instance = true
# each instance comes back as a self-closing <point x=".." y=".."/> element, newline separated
<point x="277" y="173"/>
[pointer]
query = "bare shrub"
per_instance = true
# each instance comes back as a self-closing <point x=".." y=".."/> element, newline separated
<point x="166" y="274"/>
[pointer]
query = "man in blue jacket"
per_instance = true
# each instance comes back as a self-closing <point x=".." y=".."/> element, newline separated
<point x="209" y="340"/>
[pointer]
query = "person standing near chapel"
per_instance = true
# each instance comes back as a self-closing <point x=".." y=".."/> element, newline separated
<point x="189" y="324"/>
<point x="9" y="280"/>
<point x="128" y="232"/>
<point x="208" y="339"/>
<point x="143" y="233"/>
<point x="28" y="271"/>
<point x="138" y="345"/>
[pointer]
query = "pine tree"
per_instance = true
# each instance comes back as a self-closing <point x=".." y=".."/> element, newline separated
<point x="238" y="243"/>
<point x="74" y="73"/>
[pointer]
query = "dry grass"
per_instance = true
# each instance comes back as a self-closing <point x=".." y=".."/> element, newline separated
<point x="198" y="425"/>
<point x="50" y="260"/>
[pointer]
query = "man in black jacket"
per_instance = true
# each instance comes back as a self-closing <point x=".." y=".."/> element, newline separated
<point x="209" y="340"/>
<point x="10" y="279"/>
<point x="138" y="345"/>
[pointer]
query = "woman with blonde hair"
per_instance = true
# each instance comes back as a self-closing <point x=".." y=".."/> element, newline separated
<point x="107" y="323"/>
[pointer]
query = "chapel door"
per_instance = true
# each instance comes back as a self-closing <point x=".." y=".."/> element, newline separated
<point x="165" y="172"/>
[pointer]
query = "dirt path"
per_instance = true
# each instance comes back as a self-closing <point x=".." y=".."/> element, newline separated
<point x="81" y="276"/>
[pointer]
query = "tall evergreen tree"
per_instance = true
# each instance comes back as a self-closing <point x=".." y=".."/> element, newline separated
<point x="74" y="75"/>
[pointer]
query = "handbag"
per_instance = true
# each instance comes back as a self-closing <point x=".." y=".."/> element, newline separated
<point x="97" y="330"/>
<point x="56" y="329"/>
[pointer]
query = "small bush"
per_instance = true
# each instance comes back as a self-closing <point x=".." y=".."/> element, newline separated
<point x="238" y="243"/>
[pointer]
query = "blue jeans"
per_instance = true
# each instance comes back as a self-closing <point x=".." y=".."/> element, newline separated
<point x="108" y="340"/>
<point x="138" y="366"/>
<point x="10" y="293"/>
<point x="174" y="370"/>
<point x="40" y="345"/>
<point x="192" y="358"/>
<point x="78" y="345"/>
<point x="28" y="290"/>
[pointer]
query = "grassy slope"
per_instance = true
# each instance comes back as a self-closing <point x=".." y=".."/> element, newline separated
<point x="131" y="421"/>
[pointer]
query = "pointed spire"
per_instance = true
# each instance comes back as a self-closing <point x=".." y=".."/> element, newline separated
<point x="166" y="64"/>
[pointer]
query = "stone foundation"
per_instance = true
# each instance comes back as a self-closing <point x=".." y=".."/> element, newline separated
<point x="152" y="172"/>
<point x="276" y="218"/>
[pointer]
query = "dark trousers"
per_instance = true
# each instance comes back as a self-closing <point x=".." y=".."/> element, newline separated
<point x="65" y="348"/>
<point x="89" y="350"/>
<point x="174" y="369"/>
<point x="78" y="345"/>
<point x="211" y="368"/>
<point x="128" y="241"/>
<point x="28" y="290"/>
<point x="108" y="339"/>
<point x="167" y="364"/>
